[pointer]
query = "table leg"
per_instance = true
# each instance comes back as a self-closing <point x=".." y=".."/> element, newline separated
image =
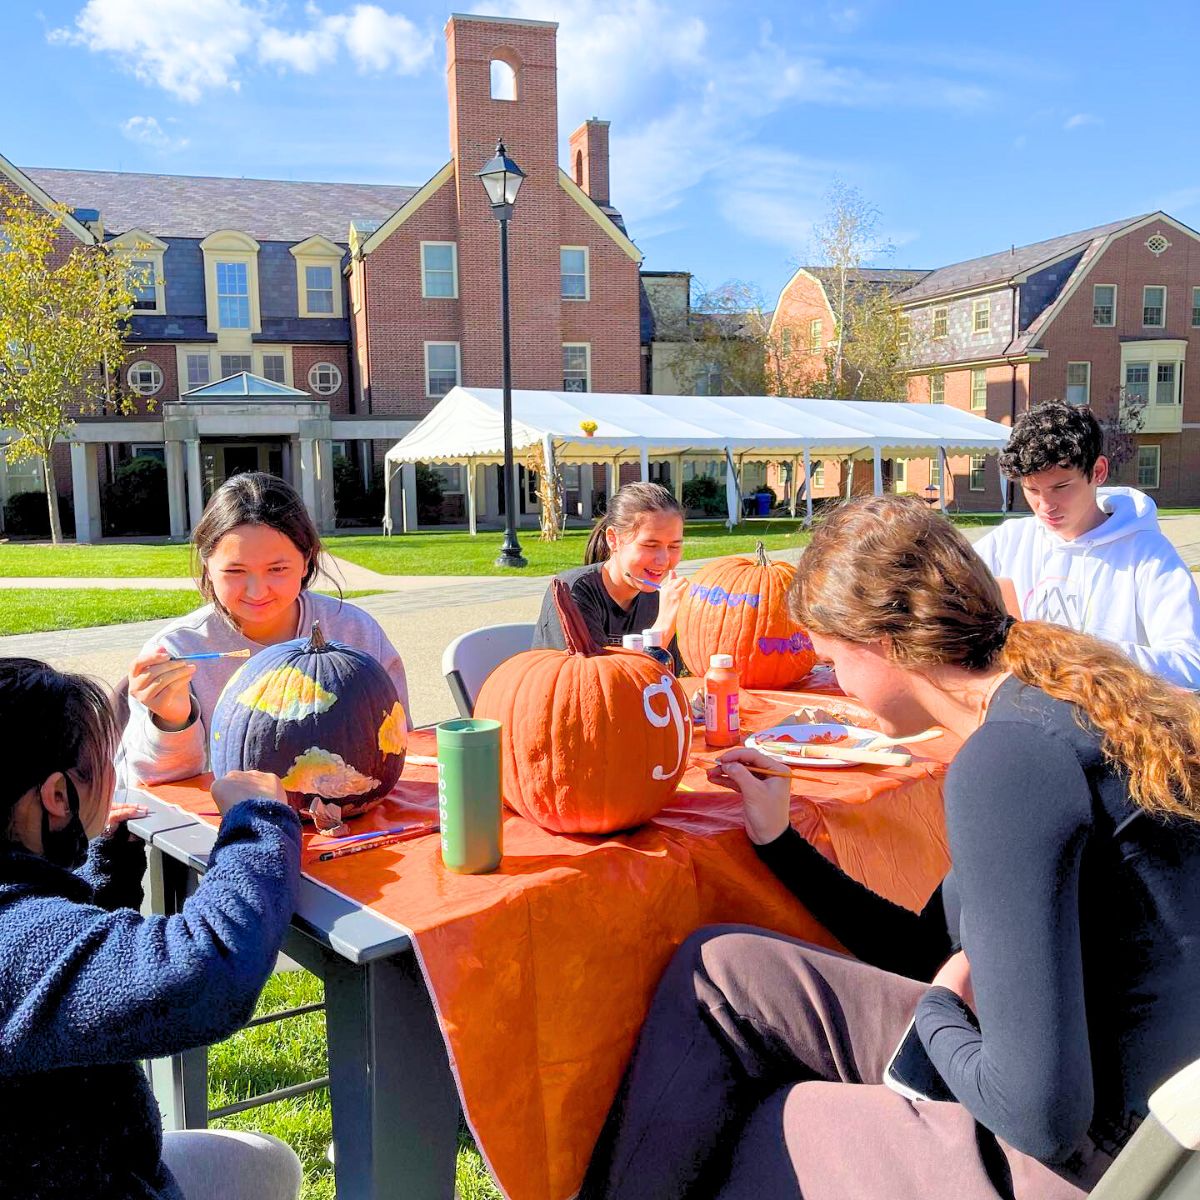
<point x="395" y="1106"/>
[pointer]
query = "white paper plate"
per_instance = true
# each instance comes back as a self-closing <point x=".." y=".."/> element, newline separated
<point x="858" y="736"/>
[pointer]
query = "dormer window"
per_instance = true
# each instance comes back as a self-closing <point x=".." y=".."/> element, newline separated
<point x="141" y="284"/>
<point x="231" y="281"/>
<point x="318" y="282"/>
<point x="318" y="277"/>
<point x="144" y="254"/>
<point x="504" y="80"/>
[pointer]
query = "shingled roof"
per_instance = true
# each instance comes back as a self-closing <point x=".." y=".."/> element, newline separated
<point x="1001" y="267"/>
<point x="896" y="278"/>
<point x="193" y="206"/>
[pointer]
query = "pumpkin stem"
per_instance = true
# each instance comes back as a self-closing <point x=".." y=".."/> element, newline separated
<point x="316" y="639"/>
<point x="576" y="634"/>
<point x="760" y="553"/>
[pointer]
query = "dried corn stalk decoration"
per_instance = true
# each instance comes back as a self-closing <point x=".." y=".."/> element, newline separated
<point x="549" y="494"/>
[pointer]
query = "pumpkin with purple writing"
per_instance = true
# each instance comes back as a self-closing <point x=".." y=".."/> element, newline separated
<point x="322" y="716"/>
<point x="738" y="606"/>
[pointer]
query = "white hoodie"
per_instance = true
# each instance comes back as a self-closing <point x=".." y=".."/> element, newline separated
<point x="1122" y="581"/>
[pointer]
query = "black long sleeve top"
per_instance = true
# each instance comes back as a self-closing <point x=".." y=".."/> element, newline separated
<point x="1079" y="913"/>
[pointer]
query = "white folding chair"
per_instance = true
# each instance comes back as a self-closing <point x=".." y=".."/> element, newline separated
<point x="1162" y="1159"/>
<point x="471" y="658"/>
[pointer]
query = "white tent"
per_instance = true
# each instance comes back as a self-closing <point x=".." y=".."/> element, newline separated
<point x="467" y="427"/>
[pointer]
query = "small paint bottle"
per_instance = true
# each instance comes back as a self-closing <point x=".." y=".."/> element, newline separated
<point x="722" y="726"/>
<point x="632" y="641"/>
<point x="652" y="644"/>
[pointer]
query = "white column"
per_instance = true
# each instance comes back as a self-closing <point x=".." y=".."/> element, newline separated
<point x="849" y="477"/>
<point x="308" y="476"/>
<point x="408" y="476"/>
<point x="326" y="522"/>
<point x="808" y="497"/>
<point x="195" y="483"/>
<point x="645" y="464"/>
<point x="794" y="499"/>
<point x="878" y="472"/>
<point x="389" y="497"/>
<point x="176" y="489"/>
<point x="677" y="478"/>
<point x="1003" y="494"/>
<point x="586" y="487"/>
<point x="471" y="483"/>
<point x="614" y="478"/>
<point x="942" y="479"/>
<point x="85" y="487"/>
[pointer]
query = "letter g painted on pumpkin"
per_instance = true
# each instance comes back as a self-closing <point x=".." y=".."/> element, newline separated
<point x="673" y="715"/>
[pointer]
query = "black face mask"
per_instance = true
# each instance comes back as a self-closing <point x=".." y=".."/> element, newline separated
<point x="68" y="846"/>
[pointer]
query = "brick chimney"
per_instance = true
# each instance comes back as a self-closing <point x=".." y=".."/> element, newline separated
<point x="589" y="159"/>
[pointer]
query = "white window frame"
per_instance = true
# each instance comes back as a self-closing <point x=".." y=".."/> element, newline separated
<point x="431" y="395"/>
<point x="158" y="377"/>
<point x="586" y="347"/>
<point x="818" y="473"/>
<point x="940" y="376"/>
<point x="981" y="470"/>
<point x="1176" y="381"/>
<point x="1154" y="352"/>
<point x="318" y="251"/>
<point x="313" y="374"/>
<point x="981" y="308"/>
<point x="785" y="342"/>
<point x="816" y="335"/>
<point x="944" y="309"/>
<point x="899" y="475"/>
<point x="231" y="246"/>
<point x="139" y="246"/>
<point x="223" y="374"/>
<point x="935" y="472"/>
<point x="425" y="270"/>
<point x="977" y="374"/>
<point x="1148" y="487"/>
<point x="185" y="370"/>
<point x="279" y="354"/>
<point x="1196" y="307"/>
<point x="1087" y="384"/>
<point x="587" y="274"/>
<point x="904" y="331"/>
<point x="1162" y="322"/>
<point x="1104" y="324"/>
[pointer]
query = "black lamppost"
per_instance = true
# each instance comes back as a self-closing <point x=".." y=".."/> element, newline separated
<point x="502" y="180"/>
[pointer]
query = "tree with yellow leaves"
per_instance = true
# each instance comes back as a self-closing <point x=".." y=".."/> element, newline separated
<point x="64" y="309"/>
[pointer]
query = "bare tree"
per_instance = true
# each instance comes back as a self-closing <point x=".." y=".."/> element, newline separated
<point x="1121" y="417"/>
<point x="721" y="349"/>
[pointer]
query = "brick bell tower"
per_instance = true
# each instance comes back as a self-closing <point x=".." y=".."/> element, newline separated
<point x="502" y="83"/>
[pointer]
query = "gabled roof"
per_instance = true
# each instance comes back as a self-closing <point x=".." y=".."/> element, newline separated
<point x="19" y="179"/>
<point x="1006" y="265"/>
<point x="192" y="206"/>
<point x="896" y="278"/>
<point x="244" y="385"/>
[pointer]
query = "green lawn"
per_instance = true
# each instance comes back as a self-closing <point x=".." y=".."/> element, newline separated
<point x="288" y="1052"/>
<point x="118" y="560"/>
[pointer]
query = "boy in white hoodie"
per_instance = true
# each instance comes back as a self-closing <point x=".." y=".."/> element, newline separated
<point x="1092" y="557"/>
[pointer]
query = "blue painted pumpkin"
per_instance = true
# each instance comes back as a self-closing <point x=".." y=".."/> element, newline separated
<point x="322" y="716"/>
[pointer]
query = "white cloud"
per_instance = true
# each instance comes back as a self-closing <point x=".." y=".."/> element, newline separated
<point x="148" y="132"/>
<point x="189" y="47"/>
<point x="1079" y="120"/>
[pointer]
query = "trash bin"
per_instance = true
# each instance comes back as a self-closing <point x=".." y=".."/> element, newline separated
<point x="762" y="503"/>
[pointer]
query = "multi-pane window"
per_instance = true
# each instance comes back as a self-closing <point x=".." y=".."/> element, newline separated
<point x="1104" y="304"/>
<point x="142" y="285"/>
<point x="441" y="367"/>
<point x="233" y="295"/>
<point x="573" y="261"/>
<point x="815" y="330"/>
<point x="318" y="286"/>
<point x="1196" y="306"/>
<point x="710" y="381"/>
<point x="1137" y="381"/>
<point x="451" y="478"/>
<point x="904" y="333"/>
<point x="145" y="378"/>
<point x="979" y="389"/>
<point x="899" y="474"/>
<point x="1148" y="461"/>
<point x="785" y="343"/>
<point x="941" y="321"/>
<point x="981" y="316"/>
<point x="978" y="472"/>
<point x="1164" y="384"/>
<point x="274" y="368"/>
<point x="818" y="474"/>
<point x="576" y="368"/>
<point x="935" y="472"/>
<point x="937" y="389"/>
<point x="1154" y="306"/>
<point x="235" y="364"/>
<point x="197" y="370"/>
<point x="324" y="378"/>
<point x="1079" y="380"/>
<point x="439" y="270"/>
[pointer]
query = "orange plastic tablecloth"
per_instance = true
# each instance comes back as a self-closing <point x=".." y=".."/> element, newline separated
<point x="542" y="972"/>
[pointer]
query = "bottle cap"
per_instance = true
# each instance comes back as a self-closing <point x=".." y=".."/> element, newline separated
<point x="632" y="641"/>
<point x="651" y="637"/>
<point x="721" y="661"/>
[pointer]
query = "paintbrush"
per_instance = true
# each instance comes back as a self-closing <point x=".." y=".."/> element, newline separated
<point x="644" y="582"/>
<point x="210" y="654"/>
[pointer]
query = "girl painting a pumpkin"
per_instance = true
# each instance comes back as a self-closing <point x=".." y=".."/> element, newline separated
<point x="1052" y="976"/>
<point x="628" y="582"/>
<point x="258" y="551"/>
<point x="89" y="986"/>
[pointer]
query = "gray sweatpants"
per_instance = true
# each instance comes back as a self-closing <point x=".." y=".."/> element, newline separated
<point x="757" y="1077"/>
<point x="229" y="1164"/>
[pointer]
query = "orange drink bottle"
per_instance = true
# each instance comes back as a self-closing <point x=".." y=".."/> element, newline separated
<point x="721" y="723"/>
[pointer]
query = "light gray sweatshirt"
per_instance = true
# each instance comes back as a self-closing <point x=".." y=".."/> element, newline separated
<point x="151" y="755"/>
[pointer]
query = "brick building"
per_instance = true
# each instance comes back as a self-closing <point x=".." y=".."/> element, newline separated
<point x="353" y="308"/>
<point x="1084" y="317"/>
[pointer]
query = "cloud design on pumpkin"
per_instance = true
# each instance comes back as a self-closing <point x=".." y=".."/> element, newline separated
<point x="393" y="733"/>
<point x="287" y="694"/>
<point x="319" y="772"/>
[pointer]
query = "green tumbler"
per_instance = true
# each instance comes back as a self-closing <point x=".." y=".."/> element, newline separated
<point x="469" y="804"/>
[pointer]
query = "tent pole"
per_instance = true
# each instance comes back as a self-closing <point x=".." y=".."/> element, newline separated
<point x="794" y="499"/>
<point x="808" y="496"/>
<point x="614" y="484"/>
<point x="942" y="479"/>
<point x="1003" y="495"/>
<point x="878" y="472"/>
<point x="677" y="480"/>
<point x="645" y="464"/>
<point x="471" y="496"/>
<point x="388" y="472"/>
<point x="849" y="476"/>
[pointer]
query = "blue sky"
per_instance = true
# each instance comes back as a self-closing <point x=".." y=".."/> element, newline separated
<point x="968" y="127"/>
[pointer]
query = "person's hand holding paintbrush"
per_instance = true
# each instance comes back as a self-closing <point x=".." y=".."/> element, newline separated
<point x="766" y="791"/>
<point x="162" y="682"/>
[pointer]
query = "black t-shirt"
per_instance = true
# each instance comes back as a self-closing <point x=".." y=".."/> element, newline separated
<point x="606" y="619"/>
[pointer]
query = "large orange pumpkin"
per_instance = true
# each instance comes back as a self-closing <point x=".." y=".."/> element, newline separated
<point x="738" y="606"/>
<point x="593" y="740"/>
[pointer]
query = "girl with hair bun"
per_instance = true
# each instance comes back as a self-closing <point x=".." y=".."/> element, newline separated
<point x="1051" y="979"/>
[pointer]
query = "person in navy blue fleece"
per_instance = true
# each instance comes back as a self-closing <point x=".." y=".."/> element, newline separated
<point x="1052" y="975"/>
<point x="89" y="986"/>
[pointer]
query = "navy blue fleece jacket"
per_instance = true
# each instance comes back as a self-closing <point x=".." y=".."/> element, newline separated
<point x="88" y="986"/>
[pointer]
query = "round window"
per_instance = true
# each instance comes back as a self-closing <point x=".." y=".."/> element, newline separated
<point x="145" y="378"/>
<point x="324" y="378"/>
